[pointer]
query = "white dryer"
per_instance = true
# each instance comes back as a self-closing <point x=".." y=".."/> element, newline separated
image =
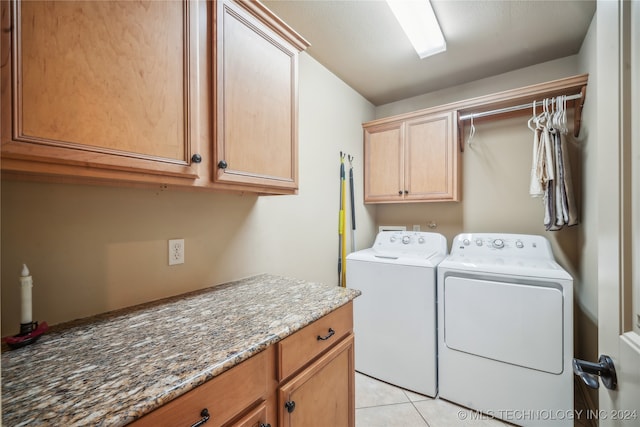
<point x="395" y="317"/>
<point x="505" y="329"/>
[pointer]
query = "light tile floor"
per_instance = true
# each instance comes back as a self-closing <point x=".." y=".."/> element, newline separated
<point x="379" y="404"/>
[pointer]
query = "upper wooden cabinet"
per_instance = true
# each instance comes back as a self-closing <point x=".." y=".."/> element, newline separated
<point x="98" y="89"/>
<point x="412" y="160"/>
<point x="256" y="111"/>
<point x="181" y="93"/>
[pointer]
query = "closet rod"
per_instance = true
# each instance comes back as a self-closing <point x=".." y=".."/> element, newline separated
<point x="510" y="109"/>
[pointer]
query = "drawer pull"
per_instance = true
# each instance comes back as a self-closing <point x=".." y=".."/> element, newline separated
<point x="265" y="425"/>
<point x="326" y="337"/>
<point x="205" y="417"/>
<point x="290" y="405"/>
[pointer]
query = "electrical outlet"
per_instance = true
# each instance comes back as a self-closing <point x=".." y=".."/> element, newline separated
<point x="176" y="251"/>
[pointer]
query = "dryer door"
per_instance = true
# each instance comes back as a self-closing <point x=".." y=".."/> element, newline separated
<point x="513" y="323"/>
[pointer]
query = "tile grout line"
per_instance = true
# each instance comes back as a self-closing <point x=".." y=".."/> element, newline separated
<point x="416" y="409"/>
<point x="384" y="404"/>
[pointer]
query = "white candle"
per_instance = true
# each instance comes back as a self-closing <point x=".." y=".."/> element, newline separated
<point x="26" y="283"/>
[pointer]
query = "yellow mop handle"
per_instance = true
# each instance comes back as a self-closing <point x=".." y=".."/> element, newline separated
<point x="343" y="236"/>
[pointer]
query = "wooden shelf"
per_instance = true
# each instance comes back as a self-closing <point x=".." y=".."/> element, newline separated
<point x="525" y="95"/>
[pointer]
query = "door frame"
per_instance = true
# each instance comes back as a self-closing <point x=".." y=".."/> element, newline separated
<point x="619" y="200"/>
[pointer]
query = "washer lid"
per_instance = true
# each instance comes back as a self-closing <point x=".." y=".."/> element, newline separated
<point x="430" y="259"/>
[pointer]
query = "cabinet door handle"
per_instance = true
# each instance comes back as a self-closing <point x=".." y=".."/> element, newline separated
<point x="406" y="191"/>
<point x="205" y="417"/>
<point x="196" y="158"/>
<point x="265" y="425"/>
<point x="399" y="192"/>
<point x="326" y="337"/>
<point x="222" y="164"/>
<point x="290" y="405"/>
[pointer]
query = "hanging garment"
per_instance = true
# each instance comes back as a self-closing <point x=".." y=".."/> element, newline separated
<point x="567" y="182"/>
<point x="536" y="188"/>
<point x="560" y="208"/>
<point x="559" y="195"/>
<point x="550" y="169"/>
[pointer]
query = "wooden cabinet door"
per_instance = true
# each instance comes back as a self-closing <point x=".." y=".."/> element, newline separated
<point x="256" y="116"/>
<point x="383" y="168"/>
<point x="430" y="158"/>
<point x="98" y="85"/>
<point x="411" y="160"/>
<point x="324" y="393"/>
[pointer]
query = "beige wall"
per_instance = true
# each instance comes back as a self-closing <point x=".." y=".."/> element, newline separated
<point x="92" y="249"/>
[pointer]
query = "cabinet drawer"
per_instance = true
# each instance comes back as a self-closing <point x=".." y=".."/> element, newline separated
<point x="256" y="418"/>
<point x="300" y="348"/>
<point x="225" y="396"/>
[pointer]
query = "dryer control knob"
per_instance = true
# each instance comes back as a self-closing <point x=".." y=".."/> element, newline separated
<point x="392" y="239"/>
<point x="498" y="243"/>
<point x="479" y="242"/>
<point x="421" y="240"/>
<point x="406" y="240"/>
<point x="466" y="242"/>
<point x="519" y="244"/>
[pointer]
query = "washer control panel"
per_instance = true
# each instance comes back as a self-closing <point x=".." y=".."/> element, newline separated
<point x="409" y="241"/>
<point x="524" y="245"/>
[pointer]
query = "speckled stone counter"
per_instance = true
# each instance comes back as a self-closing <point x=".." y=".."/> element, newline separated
<point x="111" y="369"/>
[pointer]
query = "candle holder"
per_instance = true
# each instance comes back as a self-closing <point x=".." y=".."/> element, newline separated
<point x="29" y="333"/>
<point x="27" y="328"/>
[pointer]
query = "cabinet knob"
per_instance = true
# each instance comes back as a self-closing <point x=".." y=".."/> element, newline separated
<point x="406" y="191"/>
<point x="265" y="425"/>
<point x="205" y="417"/>
<point x="196" y="158"/>
<point x="222" y="164"/>
<point x="400" y="193"/>
<point x="290" y="405"/>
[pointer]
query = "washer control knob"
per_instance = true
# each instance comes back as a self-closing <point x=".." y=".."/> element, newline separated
<point x="498" y="243"/>
<point x="519" y="244"/>
<point x="466" y="242"/>
<point x="406" y="240"/>
<point x="392" y="239"/>
<point x="479" y="242"/>
<point x="421" y="240"/>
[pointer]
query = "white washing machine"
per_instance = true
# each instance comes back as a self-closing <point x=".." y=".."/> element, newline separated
<point x="395" y="317"/>
<point x="505" y="329"/>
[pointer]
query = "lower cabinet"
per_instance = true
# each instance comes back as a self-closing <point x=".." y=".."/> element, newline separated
<point x="309" y="376"/>
<point x="322" y="394"/>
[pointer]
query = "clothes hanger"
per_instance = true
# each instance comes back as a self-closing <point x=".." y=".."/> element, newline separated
<point x="565" y="129"/>
<point x="472" y="132"/>
<point x="543" y="117"/>
<point x="533" y="118"/>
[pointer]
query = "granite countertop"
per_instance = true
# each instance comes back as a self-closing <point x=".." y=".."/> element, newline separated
<point x="111" y="369"/>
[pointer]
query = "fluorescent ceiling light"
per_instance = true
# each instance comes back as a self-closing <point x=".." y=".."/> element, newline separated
<point x="418" y="21"/>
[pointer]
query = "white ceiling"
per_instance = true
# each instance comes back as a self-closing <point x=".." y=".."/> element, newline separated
<point x="362" y="43"/>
